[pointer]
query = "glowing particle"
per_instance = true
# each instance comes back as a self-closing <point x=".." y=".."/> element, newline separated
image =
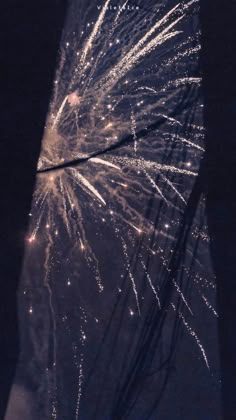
<point x="73" y="99"/>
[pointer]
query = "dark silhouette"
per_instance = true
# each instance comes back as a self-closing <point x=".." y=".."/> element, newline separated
<point x="29" y="46"/>
<point x="218" y="174"/>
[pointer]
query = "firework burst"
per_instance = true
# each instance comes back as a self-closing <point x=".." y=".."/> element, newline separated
<point x="120" y="155"/>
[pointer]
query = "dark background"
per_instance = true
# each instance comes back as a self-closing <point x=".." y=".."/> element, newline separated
<point x="30" y="34"/>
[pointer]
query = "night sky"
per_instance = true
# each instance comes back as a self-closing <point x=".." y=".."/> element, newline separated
<point x="117" y="300"/>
